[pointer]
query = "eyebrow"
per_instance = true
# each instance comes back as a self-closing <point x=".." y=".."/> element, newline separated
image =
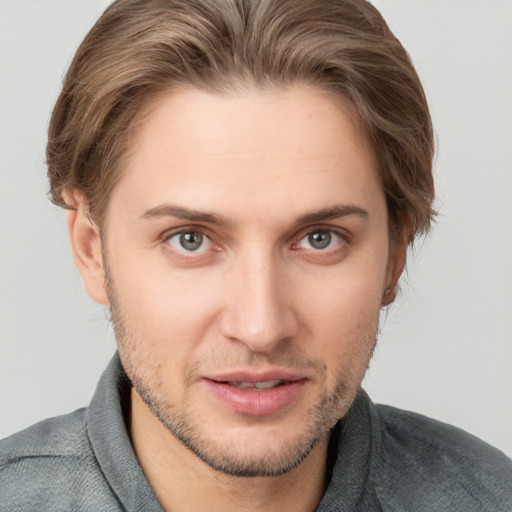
<point x="179" y="212"/>
<point x="332" y="212"/>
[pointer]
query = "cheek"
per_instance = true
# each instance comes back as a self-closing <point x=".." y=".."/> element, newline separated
<point x="163" y="305"/>
<point x="161" y="328"/>
<point x="349" y="331"/>
<point x="343" y="320"/>
<point x="346" y="299"/>
<point x="173" y="310"/>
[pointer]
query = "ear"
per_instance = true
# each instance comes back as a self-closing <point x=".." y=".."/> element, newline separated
<point x="396" y="266"/>
<point x="86" y="246"/>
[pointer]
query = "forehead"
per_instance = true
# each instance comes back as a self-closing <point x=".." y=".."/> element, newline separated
<point x="249" y="151"/>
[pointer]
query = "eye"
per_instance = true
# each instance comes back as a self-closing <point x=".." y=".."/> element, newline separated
<point x="320" y="240"/>
<point x="190" y="241"/>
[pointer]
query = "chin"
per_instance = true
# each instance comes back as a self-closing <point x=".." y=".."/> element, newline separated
<point x="252" y="447"/>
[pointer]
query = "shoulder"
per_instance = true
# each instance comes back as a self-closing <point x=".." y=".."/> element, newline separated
<point x="51" y="466"/>
<point x="422" y="460"/>
<point x="54" y="437"/>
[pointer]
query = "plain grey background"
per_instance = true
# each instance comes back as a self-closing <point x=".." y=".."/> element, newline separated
<point x="446" y="346"/>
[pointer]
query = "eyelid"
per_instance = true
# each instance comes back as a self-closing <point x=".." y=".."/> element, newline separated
<point x="338" y="231"/>
<point x="166" y="235"/>
<point x="328" y="256"/>
<point x="176" y="237"/>
<point x="185" y="229"/>
<point x="344" y="235"/>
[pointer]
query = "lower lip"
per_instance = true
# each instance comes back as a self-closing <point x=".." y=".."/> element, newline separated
<point x="256" y="402"/>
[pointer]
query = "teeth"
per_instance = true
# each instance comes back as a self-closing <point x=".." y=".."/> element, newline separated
<point x="267" y="384"/>
<point x="256" y="385"/>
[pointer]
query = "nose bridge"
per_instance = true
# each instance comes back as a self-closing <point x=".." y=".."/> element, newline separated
<point x="257" y="312"/>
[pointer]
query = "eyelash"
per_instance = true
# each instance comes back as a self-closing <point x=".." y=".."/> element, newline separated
<point x="342" y="238"/>
<point x="343" y="241"/>
<point x="191" y="256"/>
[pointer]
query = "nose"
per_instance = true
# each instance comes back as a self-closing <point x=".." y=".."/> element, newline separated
<point x="258" y="309"/>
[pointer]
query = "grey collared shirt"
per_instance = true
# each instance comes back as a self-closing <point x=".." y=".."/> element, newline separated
<point x="383" y="459"/>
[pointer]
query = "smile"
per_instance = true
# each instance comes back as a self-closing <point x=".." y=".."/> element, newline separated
<point x="253" y="397"/>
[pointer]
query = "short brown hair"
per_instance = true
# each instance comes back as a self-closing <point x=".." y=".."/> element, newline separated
<point x="140" y="48"/>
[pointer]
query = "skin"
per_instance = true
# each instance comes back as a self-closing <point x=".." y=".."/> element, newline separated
<point x="261" y="177"/>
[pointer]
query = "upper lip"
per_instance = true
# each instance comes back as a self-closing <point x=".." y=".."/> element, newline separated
<point x="256" y="376"/>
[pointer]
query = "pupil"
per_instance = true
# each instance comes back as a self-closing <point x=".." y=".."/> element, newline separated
<point x="191" y="241"/>
<point x="320" y="239"/>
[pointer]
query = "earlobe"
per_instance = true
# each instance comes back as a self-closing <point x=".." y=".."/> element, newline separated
<point x="86" y="246"/>
<point x="389" y="296"/>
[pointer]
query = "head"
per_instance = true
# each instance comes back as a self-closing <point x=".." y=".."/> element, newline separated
<point x="244" y="179"/>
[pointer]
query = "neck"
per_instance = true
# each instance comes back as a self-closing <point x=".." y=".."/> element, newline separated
<point x="183" y="482"/>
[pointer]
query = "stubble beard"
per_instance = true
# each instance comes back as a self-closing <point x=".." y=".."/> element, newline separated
<point x="185" y="425"/>
<point x="224" y="456"/>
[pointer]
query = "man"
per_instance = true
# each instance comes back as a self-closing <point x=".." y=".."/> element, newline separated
<point x="242" y="181"/>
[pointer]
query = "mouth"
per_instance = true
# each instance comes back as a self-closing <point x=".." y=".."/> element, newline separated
<point x="256" y="395"/>
<point x="269" y="384"/>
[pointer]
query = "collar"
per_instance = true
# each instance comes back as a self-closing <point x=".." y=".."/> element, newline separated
<point x="111" y="444"/>
<point x="350" y="486"/>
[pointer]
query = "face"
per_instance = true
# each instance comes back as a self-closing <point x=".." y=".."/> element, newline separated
<point x="246" y="248"/>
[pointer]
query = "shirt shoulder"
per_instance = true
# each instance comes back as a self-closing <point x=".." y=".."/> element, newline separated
<point x="62" y="436"/>
<point x="428" y="465"/>
<point x="51" y="466"/>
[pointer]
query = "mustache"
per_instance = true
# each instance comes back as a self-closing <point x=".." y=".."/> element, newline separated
<point x="283" y="357"/>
